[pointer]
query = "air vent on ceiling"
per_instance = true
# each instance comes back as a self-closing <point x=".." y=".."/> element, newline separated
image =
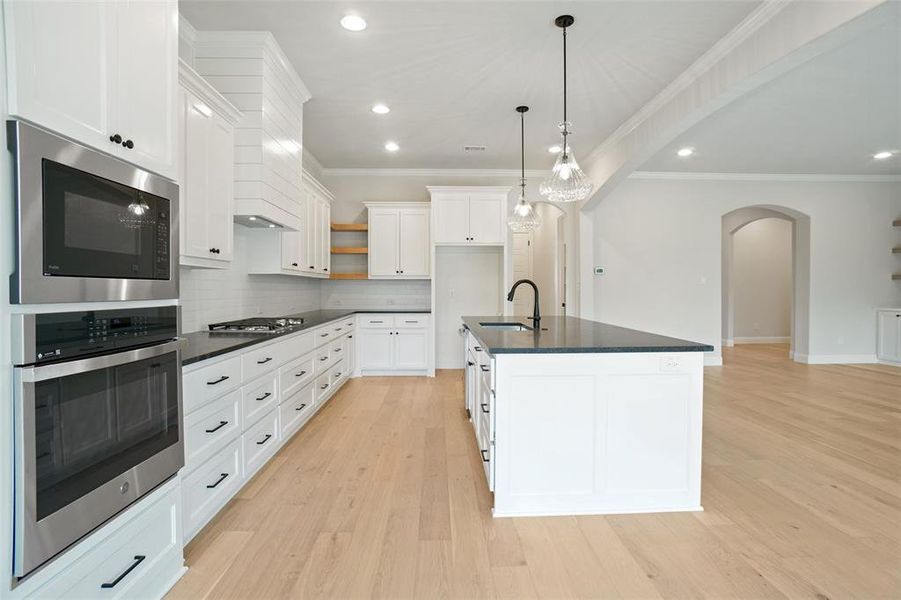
<point x="474" y="148"/>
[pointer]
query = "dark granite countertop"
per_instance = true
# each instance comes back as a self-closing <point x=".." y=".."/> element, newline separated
<point x="201" y="345"/>
<point x="570" y="335"/>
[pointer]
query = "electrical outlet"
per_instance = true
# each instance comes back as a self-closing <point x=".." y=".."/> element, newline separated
<point x="599" y="270"/>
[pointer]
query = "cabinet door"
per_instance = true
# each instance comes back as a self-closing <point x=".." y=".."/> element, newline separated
<point x="384" y="229"/>
<point x="220" y="161"/>
<point x="193" y="192"/>
<point x="310" y="233"/>
<point x="325" y="238"/>
<point x="293" y="243"/>
<point x="59" y="67"/>
<point x="146" y="47"/>
<point x="451" y="219"/>
<point x="415" y="255"/>
<point x="486" y="218"/>
<point x="889" y="336"/>
<point x="411" y="349"/>
<point x="375" y="346"/>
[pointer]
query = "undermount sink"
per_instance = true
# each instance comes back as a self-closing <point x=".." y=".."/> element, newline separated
<point x="506" y="326"/>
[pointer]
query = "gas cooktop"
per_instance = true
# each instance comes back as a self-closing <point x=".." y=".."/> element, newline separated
<point x="256" y="325"/>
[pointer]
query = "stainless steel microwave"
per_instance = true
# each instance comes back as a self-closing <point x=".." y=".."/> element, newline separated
<point x="89" y="227"/>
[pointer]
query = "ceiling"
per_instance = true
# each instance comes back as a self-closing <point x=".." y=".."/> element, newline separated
<point x="453" y="72"/>
<point x="827" y="116"/>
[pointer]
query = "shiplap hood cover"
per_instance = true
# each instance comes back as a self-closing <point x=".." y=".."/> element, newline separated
<point x="453" y="72"/>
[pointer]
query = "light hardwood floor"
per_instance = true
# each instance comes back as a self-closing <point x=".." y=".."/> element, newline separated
<point x="382" y="495"/>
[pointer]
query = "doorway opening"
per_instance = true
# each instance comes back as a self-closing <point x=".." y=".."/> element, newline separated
<point x="541" y="257"/>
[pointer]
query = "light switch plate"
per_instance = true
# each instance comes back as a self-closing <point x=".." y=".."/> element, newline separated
<point x="599" y="270"/>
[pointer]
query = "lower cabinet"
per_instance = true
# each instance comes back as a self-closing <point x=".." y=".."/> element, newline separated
<point x="207" y="488"/>
<point x="393" y="343"/>
<point x="889" y="335"/>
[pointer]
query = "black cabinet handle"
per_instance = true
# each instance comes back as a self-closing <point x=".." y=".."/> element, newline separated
<point x="337" y="375"/>
<point x="220" y="380"/>
<point x="217" y="427"/>
<point x="293" y="264"/>
<point x="478" y="348"/>
<point x="323" y="358"/>
<point x="484" y="368"/>
<point x="323" y="335"/>
<point x="470" y="363"/>
<point x="264" y="361"/>
<point x="311" y="267"/>
<point x="485" y="408"/>
<point x="264" y="396"/>
<point x="325" y="269"/>
<point x="373" y="321"/>
<point x="301" y="374"/>
<point x="337" y="349"/>
<point x="323" y="386"/>
<point x="484" y="455"/>
<point x="222" y="477"/>
<point x="338" y="328"/>
<point x="115" y="138"/>
<point x="350" y="337"/>
<point x="264" y="440"/>
<point x="301" y="407"/>
<point x="128" y="144"/>
<point x="139" y="558"/>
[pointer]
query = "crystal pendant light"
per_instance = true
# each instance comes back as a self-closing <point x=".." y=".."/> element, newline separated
<point x="137" y="214"/>
<point x="524" y="218"/>
<point x="567" y="182"/>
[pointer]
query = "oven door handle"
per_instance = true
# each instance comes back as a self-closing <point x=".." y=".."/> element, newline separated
<point x="44" y="372"/>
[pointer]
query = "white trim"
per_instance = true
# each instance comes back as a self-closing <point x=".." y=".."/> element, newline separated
<point x="835" y="359"/>
<point x="889" y="363"/>
<point x="762" y="340"/>
<point x="309" y="158"/>
<point x="194" y="82"/>
<point x="786" y="177"/>
<point x="728" y="342"/>
<point x="309" y="179"/>
<point x="186" y="31"/>
<point x="495" y="513"/>
<point x="713" y="359"/>
<point x="370" y="205"/>
<point x="365" y="172"/>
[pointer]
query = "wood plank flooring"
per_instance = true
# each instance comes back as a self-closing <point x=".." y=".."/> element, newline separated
<point x="382" y="495"/>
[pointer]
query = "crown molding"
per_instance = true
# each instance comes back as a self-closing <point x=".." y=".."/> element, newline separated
<point x="186" y="31"/>
<point x="310" y="179"/>
<point x="737" y="36"/>
<point x="504" y="173"/>
<point x="196" y="84"/>
<point x="310" y="158"/>
<point x="784" y="177"/>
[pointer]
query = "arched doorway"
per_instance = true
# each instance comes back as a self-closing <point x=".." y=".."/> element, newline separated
<point x="735" y="220"/>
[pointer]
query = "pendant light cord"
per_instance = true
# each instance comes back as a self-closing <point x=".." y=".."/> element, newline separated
<point x="565" y="126"/>
<point x="522" y="153"/>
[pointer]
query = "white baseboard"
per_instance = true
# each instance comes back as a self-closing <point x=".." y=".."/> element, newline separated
<point x="728" y="342"/>
<point x="762" y="340"/>
<point x="836" y="359"/>
<point x="713" y="359"/>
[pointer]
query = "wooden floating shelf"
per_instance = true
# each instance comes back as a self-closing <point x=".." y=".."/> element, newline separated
<point x="349" y="276"/>
<point x="896" y="277"/>
<point x="350" y="226"/>
<point x="896" y="250"/>
<point x="897" y="222"/>
<point x="350" y="250"/>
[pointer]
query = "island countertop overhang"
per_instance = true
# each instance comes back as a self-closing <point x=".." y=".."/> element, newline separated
<point x="567" y="335"/>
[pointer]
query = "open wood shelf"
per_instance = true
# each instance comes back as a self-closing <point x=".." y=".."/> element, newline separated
<point x="350" y="226"/>
<point x="349" y="276"/>
<point x="350" y="250"/>
<point x="896" y="276"/>
<point x="896" y="250"/>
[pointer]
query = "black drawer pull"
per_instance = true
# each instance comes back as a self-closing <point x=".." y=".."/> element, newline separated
<point x="301" y="374"/>
<point x="323" y="335"/>
<point x="323" y="358"/>
<point x="220" y="380"/>
<point x="337" y="375"/>
<point x="470" y="363"/>
<point x="337" y="350"/>
<point x="350" y="337"/>
<point x="338" y="328"/>
<point x="484" y="455"/>
<point x="222" y="477"/>
<point x="376" y="321"/>
<point x="485" y="408"/>
<point x="139" y="558"/>
<point x="217" y="427"/>
<point x="485" y="368"/>
<point x="264" y="440"/>
<point x="301" y="407"/>
<point x="264" y="361"/>
<point x="264" y="396"/>
<point x="323" y="386"/>
<point x="414" y="322"/>
<point x="478" y="348"/>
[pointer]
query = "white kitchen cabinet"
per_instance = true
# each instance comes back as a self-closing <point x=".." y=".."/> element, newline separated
<point x="206" y="125"/>
<point x="393" y="343"/>
<point x="399" y="240"/>
<point x="102" y="73"/>
<point x="323" y="236"/>
<point x="889" y="335"/>
<point x="469" y="216"/>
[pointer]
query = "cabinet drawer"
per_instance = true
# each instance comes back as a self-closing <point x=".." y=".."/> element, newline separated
<point x="258" y="398"/>
<point x="296" y="374"/>
<point x="339" y="329"/>
<point x="323" y="335"/>
<point x="295" y="411"/>
<point x="260" y="442"/>
<point x="338" y="349"/>
<point x="401" y="321"/>
<point x="299" y="344"/>
<point x="262" y="360"/>
<point x="208" y="488"/>
<point x="349" y="323"/>
<point x="154" y="534"/>
<point x="211" y="381"/>
<point x="212" y="427"/>
<point x="323" y="387"/>
<point x="322" y="359"/>
<point x="338" y="375"/>
<point x="377" y="321"/>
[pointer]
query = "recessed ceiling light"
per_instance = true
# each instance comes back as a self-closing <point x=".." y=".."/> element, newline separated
<point x="251" y="218"/>
<point x="392" y="147"/>
<point x="685" y="152"/>
<point x="380" y="109"/>
<point x="271" y="225"/>
<point x="353" y="23"/>
<point x="555" y="149"/>
<point x="883" y="155"/>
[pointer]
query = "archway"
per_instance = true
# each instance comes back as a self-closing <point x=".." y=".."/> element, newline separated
<point x="800" y="301"/>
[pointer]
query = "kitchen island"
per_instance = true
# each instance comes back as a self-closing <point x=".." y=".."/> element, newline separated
<point x="580" y="417"/>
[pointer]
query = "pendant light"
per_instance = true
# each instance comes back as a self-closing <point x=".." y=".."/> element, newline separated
<point x="524" y="218"/>
<point x="567" y="182"/>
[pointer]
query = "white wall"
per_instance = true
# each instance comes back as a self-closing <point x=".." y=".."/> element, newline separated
<point x="660" y="241"/>
<point x="213" y="295"/>
<point x="762" y="280"/>
<point x="544" y="258"/>
<point x="376" y="294"/>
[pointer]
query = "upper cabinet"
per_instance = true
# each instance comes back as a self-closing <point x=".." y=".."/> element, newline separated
<point x="102" y="73"/>
<point x="467" y="216"/>
<point x="399" y="240"/>
<point x="206" y="132"/>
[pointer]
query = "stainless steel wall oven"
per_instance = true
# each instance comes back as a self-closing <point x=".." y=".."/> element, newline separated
<point x="89" y="227"/>
<point x="98" y="421"/>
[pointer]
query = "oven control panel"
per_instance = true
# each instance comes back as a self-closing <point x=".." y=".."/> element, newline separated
<point x="69" y="335"/>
